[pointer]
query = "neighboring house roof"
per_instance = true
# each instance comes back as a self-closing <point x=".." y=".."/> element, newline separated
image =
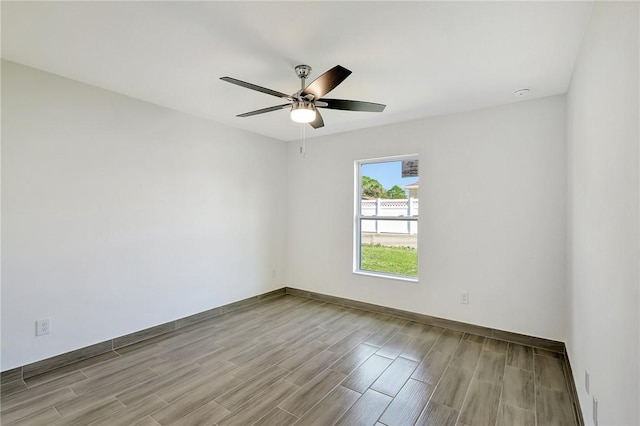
<point x="413" y="185"/>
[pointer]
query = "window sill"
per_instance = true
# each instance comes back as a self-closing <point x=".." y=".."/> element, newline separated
<point x="388" y="276"/>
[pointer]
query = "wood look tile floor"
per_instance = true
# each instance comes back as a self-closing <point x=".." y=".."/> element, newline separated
<point x="290" y="360"/>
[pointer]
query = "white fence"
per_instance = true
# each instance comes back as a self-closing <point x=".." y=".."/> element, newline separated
<point x="390" y="207"/>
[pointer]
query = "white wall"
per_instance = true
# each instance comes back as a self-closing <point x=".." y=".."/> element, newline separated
<point x="602" y="113"/>
<point x="492" y="216"/>
<point x="118" y="215"/>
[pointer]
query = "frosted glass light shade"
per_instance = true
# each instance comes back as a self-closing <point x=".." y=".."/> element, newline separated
<point x="303" y="113"/>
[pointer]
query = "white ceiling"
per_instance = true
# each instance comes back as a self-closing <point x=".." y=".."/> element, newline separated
<point x="419" y="58"/>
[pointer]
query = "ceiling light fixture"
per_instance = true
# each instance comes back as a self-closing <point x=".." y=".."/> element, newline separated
<point x="303" y="104"/>
<point x="302" y="112"/>
<point x="521" y="93"/>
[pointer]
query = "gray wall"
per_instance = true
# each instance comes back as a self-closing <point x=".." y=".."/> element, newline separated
<point x="492" y="216"/>
<point x="604" y="321"/>
<point x="118" y="215"/>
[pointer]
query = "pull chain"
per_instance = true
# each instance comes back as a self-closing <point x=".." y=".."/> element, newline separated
<point x="303" y="147"/>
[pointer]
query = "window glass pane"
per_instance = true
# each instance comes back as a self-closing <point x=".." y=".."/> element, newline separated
<point x="388" y="189"/>
<point x="388" y="246"/>
<point x="385" y="180"/>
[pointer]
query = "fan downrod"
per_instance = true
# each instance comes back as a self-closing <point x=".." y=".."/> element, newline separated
<point x="303" y="72"/>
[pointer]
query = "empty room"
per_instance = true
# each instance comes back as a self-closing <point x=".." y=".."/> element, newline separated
<point x="320" y="213"/>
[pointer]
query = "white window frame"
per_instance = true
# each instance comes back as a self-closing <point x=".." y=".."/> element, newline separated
<point x="357" y="240"/>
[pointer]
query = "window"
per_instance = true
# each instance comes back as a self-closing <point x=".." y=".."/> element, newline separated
<point x="386" y="217"/>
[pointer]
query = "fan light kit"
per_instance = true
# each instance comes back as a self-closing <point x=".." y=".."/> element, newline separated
<point x="304" y="102"/>
<point x="303" y="112"/>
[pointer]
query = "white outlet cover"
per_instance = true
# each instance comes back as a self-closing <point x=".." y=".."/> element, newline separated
<point x="43" y="327"/>
<point x="595" y="411"/>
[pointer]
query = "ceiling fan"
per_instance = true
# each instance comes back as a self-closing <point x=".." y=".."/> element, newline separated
<point x="304" y="102"/>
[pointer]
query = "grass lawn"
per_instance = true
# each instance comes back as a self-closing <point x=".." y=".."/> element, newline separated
<point x="393" y="260"/>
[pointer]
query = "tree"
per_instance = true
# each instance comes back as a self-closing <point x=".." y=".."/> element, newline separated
<point x="396" y="192"/>
<point x="371" y="188"/>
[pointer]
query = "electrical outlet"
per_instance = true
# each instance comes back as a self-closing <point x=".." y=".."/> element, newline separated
<point x="586" y="381"/>
<point x="273" y="273"/>
<point x="43" y="326"/>
<point x="464" y="297"/>
<point x="595" y="411"/>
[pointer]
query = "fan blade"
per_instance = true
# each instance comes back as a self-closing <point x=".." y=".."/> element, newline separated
<point x="348" y="105"/>
<point x="326" y="82"/>
<point x="263" y="110"/>
<point x="255" y="87"/>
<point x="318" y="122"/>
